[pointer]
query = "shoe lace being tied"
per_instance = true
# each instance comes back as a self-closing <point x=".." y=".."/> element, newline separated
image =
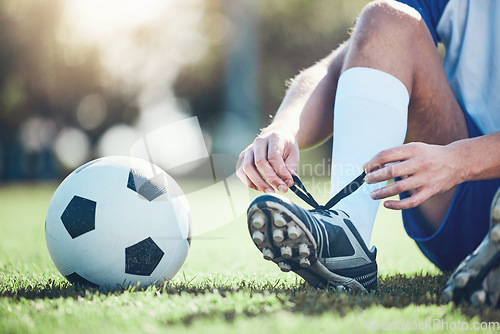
<point x="300" y="190"/>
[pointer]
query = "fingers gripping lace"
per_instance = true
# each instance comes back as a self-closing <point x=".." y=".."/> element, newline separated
<point x="300" y="190"/>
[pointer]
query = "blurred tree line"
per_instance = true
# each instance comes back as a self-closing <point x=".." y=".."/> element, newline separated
<point x="42" y="83"/>
<point x="45" y="84"/>
<point x="292" y="35"/>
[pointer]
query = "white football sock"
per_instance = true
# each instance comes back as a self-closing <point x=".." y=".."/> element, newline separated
<point x="370" y="115"/>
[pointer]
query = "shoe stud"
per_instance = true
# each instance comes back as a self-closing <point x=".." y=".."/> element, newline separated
<point x="258" y="220"/>
<point x="304" y="262"/>
<point x="286" y="252"/>
<point x="341" y="289"/>
<point x="304" y="250"/>
<point x="461" y="280"/>
<point x="278" y="235"/>
<point x="258" y="237"/>
<point x="495" y="233"/>
<point x="447" y="294"/>
<point x="285" y="267"/>
<point x="279" y="220"/>
<point x="496" y="213"/>
<point x="294" y="232"/>
<point x="478" y="298"/>
<point x="268" y="254"/>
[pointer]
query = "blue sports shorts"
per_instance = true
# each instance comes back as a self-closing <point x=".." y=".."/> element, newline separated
<point x="466" y="222"/>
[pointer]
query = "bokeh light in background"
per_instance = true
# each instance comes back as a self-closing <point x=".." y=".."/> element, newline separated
<point x="72" y="147"/>
<point x="177" y="144"/>
<point x="143" y="45"/>
<point x="117" y="140"/>
<point x="99" y="75"/>
<point x="37" y="134"/>
<point x="135" y="50"/>
<point x="91" y="111"/>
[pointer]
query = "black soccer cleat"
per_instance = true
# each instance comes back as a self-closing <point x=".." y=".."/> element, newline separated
<point x="477" y="278"/>
<point x="320" y="245"/>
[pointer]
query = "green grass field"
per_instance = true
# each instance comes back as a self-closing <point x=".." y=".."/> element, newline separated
<point x="224" y="287"/>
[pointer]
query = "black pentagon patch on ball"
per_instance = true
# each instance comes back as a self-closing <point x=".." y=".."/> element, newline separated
<point x="150" y="189"/>
<point x="79" y="216"/>
<point x="142" y="258"/>
<point x="74" y="278"/>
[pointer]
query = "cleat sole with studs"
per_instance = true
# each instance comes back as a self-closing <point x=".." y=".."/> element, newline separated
<point x="281" y="239"/>
<point x="288" y="243"/>
<point x="477" y="278"/>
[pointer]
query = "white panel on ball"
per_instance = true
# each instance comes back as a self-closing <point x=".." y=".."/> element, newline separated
<point x="118" y="221"/>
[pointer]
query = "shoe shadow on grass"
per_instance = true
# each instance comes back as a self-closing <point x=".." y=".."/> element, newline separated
<point x="396" y="291"/>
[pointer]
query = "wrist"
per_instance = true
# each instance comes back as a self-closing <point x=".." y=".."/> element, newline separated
<point x="280" y="128"/>
<point x="463" y="161"/>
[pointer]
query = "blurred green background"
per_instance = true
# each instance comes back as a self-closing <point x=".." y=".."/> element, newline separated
<point x="80" y="79"/>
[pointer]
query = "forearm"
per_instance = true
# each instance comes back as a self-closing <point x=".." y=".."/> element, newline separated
<point x="307" y="109"/>
<point x="479" y="157"/>
<point x="304" y="119"/>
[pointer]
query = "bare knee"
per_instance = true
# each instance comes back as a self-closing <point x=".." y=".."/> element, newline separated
<point x="391" y="37"/>
<point x="388" y="21"/>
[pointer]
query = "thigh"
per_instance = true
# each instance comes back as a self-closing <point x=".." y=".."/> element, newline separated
<point x="434" y="117"/>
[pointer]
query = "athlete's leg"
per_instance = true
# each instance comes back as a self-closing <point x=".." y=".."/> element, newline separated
<point x="393" y="38"/>
<point x="388" y="39"/>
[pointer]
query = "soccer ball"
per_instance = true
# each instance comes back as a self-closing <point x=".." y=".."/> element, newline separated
<point x="116" y="222"/>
